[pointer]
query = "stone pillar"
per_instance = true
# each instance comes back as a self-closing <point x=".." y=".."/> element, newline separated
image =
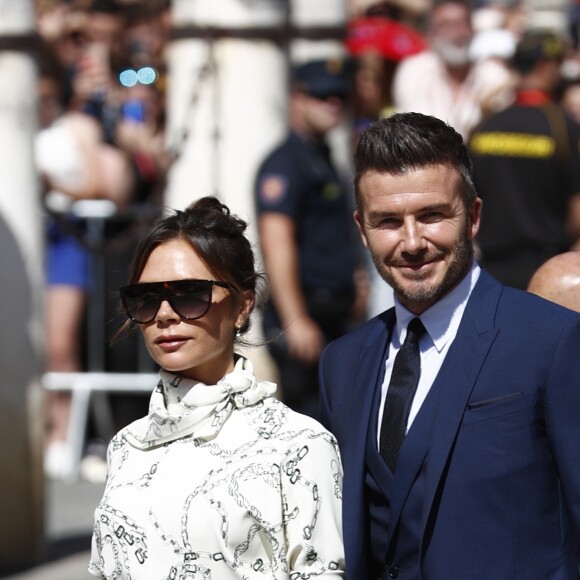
<point x="21" y="413"/>
<point x="228" y="73"/>
<point x="329" y="15"/>
<point x="227" y="98"/>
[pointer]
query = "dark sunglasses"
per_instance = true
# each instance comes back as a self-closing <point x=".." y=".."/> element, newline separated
<point x="326" y="96"/>
<point x="190" y="299"/>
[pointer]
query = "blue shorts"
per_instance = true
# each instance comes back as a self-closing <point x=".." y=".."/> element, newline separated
<point x="67" y="260"/>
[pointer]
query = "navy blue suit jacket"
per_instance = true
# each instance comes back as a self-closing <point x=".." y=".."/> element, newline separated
<point x="502" y="494"/>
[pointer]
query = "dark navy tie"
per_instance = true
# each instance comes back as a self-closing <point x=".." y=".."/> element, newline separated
<point x="402" y="387"/>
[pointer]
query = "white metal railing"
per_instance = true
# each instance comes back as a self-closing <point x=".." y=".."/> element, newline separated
<point x="83" y="387"/>
<point x="89" y="389"/>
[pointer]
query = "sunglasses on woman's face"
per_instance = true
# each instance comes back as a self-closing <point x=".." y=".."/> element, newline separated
<point x="190" y="299"/>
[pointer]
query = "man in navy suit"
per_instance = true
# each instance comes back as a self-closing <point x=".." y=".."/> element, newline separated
<point x="486" y="483"/>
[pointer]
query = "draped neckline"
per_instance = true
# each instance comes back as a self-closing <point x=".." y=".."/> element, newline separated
<point x="181" y="407"/>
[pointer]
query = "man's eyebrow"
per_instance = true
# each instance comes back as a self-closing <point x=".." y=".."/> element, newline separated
<point x="437" y="206"/>
<point x="443" y="206"/>
<point x="381" y="213"/>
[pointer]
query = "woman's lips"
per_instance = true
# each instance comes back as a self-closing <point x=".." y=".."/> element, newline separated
<point x="171" y="342"/>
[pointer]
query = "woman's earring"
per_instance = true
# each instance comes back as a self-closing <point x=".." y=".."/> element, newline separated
<point x="238" y="332"/>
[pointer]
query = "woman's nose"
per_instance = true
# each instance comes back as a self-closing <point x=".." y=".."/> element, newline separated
<point x="165" y="312"/>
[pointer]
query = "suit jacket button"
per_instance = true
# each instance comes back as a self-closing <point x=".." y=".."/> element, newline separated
<point x="393" y="572"/>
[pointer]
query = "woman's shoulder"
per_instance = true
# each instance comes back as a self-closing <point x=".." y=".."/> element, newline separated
<point x="301" y="440"/>
<point x="120" y="439"/>
<point x="277" y="419"/>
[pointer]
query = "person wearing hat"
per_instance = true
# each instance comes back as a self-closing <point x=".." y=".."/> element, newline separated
<point x="306" y="234"/>
<point x="527" y="169"/>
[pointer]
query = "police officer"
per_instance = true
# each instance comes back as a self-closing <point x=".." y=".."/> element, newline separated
<point x="306" y="234"/>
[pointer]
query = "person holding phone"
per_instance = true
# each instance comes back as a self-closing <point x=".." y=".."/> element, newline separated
<point x="220" y="479"/>
<point x="140" y="133"/>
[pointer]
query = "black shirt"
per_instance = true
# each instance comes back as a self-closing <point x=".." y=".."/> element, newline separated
<point x="526" y="168"/>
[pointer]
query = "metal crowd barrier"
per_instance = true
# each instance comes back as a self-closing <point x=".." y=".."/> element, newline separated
<point x="90" y="389"/>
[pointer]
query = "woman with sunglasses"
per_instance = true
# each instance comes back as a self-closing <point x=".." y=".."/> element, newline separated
<point x="221" y="480"/>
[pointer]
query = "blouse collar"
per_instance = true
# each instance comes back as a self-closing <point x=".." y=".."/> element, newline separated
<point x="181" y="407"/>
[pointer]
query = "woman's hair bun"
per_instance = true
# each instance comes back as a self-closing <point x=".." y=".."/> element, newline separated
<point x="212" y="214"/>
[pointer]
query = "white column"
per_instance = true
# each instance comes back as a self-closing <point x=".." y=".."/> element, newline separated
<point x="227" y="102"/>
<point x="21" y="413"/>
<point x="324" y="14"/>
<point x="226" y="105"/>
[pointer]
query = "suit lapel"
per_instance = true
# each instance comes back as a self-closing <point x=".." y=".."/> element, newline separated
<point x="452" y="387"/>
<point x="370" y="370"/>
<point x="411" y="457"/>
<point x="457" y="378"/>
<point x="369" y="367"/>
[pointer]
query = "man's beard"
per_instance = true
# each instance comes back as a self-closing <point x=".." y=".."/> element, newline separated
<point x="452" y="55"/>
<point x="425" y="295"/>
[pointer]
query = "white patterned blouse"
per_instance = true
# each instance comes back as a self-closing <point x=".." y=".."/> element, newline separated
<point x="220" y="482"/>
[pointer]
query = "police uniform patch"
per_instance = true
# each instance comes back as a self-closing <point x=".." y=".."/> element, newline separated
<point x="273" y="188"/>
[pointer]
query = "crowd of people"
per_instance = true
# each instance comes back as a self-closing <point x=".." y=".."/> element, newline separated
<point x="101" y="124"/>
<point x="409" y="357"/>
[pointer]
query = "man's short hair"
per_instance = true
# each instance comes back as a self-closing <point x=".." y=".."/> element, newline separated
<point x="409" y="141"/>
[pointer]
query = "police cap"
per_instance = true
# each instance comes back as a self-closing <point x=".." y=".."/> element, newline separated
<point x="535" y="46"/>
<point x="322" y="78"/>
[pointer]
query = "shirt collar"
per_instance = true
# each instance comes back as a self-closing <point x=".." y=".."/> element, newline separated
<point x="441" y="320"/>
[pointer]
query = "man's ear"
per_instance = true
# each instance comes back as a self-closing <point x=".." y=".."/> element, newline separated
<point x="474" y="217"/>
<point x="360" y="223"/>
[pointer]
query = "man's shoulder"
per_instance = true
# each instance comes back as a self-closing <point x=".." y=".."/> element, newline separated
<point x="425" y="60"/>
<point x="282" y="152"/>
<point x="527" y="119"/>
<point x="273" y="184"/>
<point x="490" y="72"/>
<point x="495" y="120"/>
<point x="521" y="299"/>
<point x="509" y="131"/>
<point x="366" y="333"/>
<point x="411" y="77"/>
<point x="523" y="309"/>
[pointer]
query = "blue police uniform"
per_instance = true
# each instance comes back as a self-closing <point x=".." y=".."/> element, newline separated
<point x="299" y="180"/>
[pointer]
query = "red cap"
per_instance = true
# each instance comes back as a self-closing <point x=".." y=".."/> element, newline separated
<point x="391" y="39"/>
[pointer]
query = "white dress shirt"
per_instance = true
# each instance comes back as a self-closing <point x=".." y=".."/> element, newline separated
<point x="441" y="322"/>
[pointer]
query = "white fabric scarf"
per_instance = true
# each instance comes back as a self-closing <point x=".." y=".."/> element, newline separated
<point x="181" y="407"/>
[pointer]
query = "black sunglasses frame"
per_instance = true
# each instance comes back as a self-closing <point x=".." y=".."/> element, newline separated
<point x="161" y="291"/>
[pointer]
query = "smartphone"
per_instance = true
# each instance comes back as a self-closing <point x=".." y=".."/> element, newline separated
<point x="133" y="110"/>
